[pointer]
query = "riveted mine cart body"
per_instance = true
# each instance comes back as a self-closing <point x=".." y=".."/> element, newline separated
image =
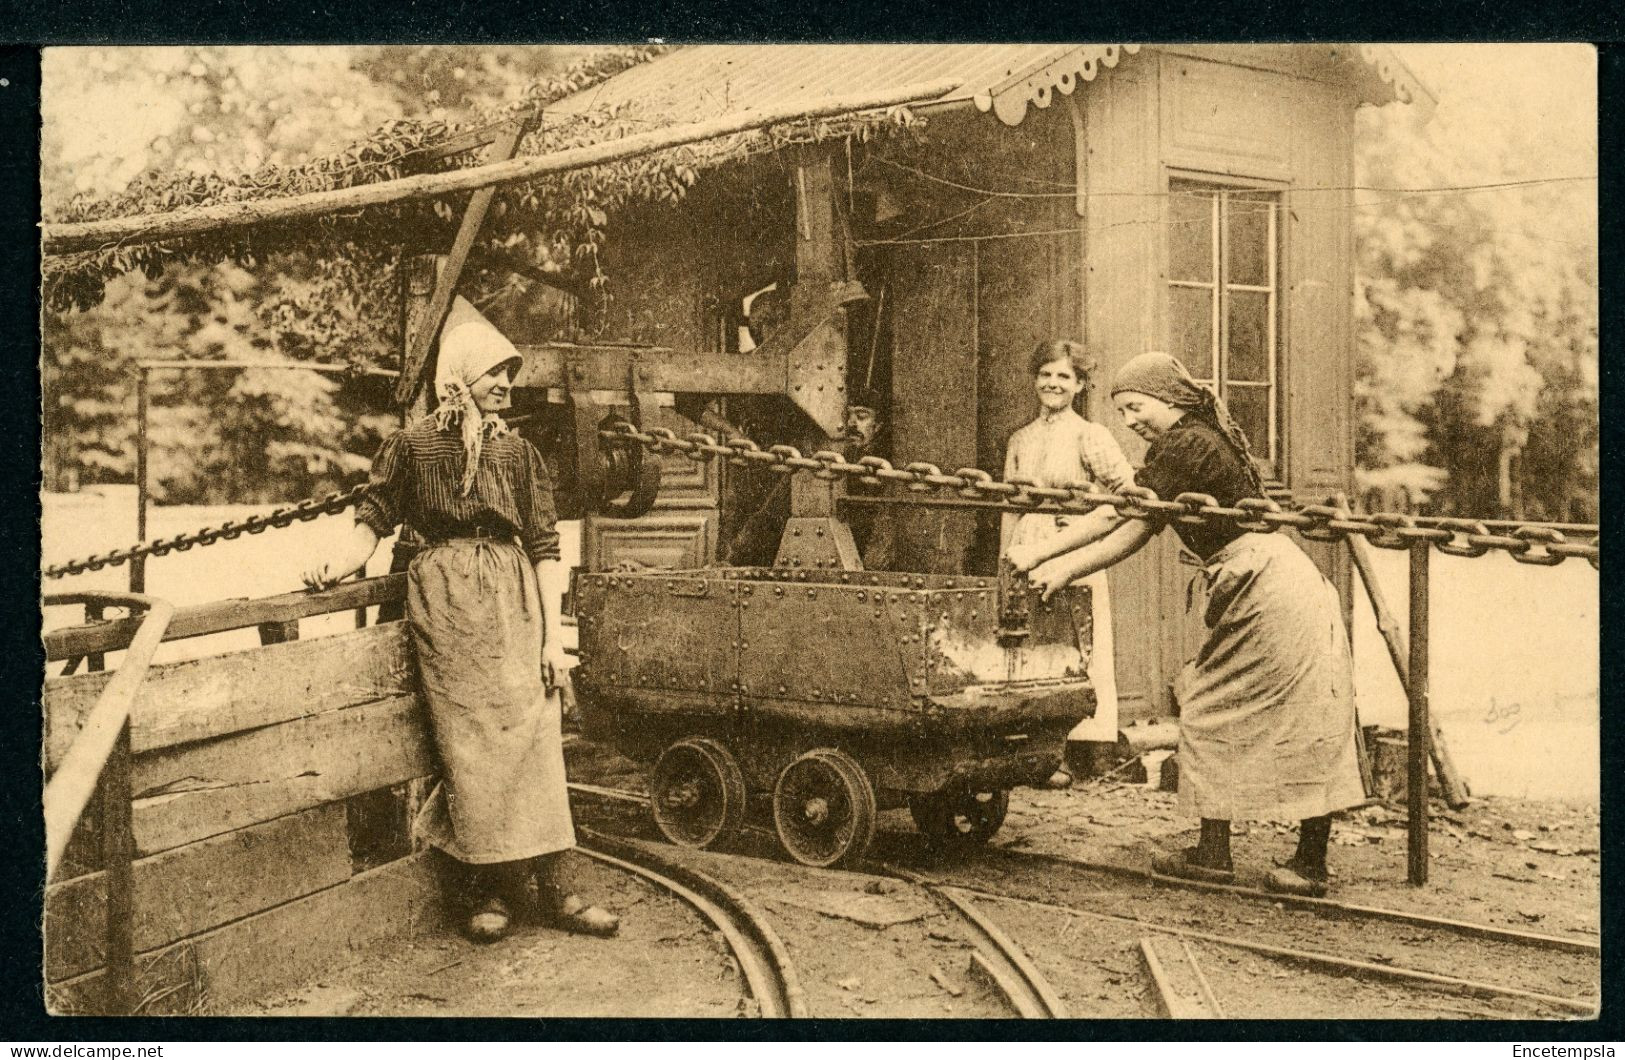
<point x="908" y="677"/>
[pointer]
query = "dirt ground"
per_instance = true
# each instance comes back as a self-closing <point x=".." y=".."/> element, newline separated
<point x="1508" y="862"/>
<point x="868" y="948"/>
<point x="666" y="962"/>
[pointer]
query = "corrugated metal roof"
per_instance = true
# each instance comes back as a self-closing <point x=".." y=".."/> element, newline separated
<point x="706" y="81"/>
<point x="699" y="82"/>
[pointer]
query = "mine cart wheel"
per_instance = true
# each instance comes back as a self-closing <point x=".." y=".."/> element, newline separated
<point x="697" y="793"/>
<point x="824" y="808"/>
<point x="960" y="816"/>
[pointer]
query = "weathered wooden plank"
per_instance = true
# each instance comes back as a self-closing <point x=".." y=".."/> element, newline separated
<point x="934" y="391"/>
<point x="664" y="369"/>
<point x="203" y="698"/>
<point x="199" y="886"/>
<point x="283" y="946"/>
<point x="188" y="793"/>
<point x="165" y="984"/>
<point x="273" y="949"/>
<point x="1182" y="990"/>
<point x="223" y="615"/>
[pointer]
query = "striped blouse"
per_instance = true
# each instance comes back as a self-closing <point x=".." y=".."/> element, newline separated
<point x="417" y="479"/>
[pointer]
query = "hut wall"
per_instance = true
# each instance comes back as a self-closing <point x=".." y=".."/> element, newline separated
<point x="970" y="297"/>
<point x="1182" y="115"/>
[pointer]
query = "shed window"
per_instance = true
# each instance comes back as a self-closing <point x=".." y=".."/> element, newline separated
<point x="1224" y="278"/>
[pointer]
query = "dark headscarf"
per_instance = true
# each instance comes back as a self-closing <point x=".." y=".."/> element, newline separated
<point x="1163" y="377"/>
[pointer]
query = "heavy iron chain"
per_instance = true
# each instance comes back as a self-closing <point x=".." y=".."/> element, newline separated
<point x="1542" y="546"/>
<point x="230" y="530"/>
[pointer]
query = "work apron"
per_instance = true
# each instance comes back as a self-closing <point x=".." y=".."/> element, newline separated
<point x="476" y="619"/>
<point x="1266" y="709"/>
<point x="1036" y="527"/>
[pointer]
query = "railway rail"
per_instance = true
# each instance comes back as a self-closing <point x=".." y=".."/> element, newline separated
<point x="764" y="963"/>
<point x="1001" y="960"/>
<point x="1524" y="972"/>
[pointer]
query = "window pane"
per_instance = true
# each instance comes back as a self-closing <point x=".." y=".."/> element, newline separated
<point x="1248" y="231"/>
<point x="1250" y="406"/>
<point x="1190" y="328"/>
<point x="1190" y="234"/>
<point x="1249" y="336"/>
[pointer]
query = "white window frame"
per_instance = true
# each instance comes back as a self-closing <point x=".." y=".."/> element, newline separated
<point x="1215" y="371"/>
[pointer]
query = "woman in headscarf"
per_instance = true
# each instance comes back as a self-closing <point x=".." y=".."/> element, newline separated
<point x="1061" y="448"/>
<point x="1266" y="722"/>
<point x="483" y="601"/>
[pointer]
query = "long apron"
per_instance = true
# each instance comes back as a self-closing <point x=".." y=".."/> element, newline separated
<point x="1266" y="722"/>
<point x="1038" y="526"/>
<point x="476" y="619"/>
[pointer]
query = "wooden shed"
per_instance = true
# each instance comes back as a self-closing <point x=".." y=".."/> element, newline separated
<point x="1191" y="198"/>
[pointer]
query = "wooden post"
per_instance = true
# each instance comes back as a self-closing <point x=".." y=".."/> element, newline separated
<point x="1416" y="794"/>
<point x="118" y="862"/>
<point x="279" y="632"/>
<point x="421" y="339"/>
<point x="138" y="564"/>
<point x="1456" y="793"/>
<point x="819" y="263"/>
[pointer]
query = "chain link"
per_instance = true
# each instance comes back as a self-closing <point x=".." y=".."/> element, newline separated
<point x="1536" y="545"/>
<point x="1533" y="544"/>
<point x="230" y="530"/>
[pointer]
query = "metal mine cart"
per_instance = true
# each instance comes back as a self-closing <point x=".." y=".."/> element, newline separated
<point x="831" y="695"/>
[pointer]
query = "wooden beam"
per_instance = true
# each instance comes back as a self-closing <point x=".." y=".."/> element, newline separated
<point x="554" y="277"/>
<point x="149" y="228"/>
<point x="198" y="790"/>
<point x="223" y="615"/>
<point x="422" y="337"/>
<point x="200" y="699"/>
<point x="665" y="370"/>
<point x="202" y="885"/>
<point x="104" y="737"/>
<point x="1182" y="990"/>
<point x="816" y="368"/>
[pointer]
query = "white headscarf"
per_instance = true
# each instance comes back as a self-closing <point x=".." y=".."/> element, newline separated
<point x="470" y="346"/>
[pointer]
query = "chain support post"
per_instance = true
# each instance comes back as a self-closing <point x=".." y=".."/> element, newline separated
<point x="118" y="861"/>
<point x="138" y="563"/>
<point x="1418" y="737"/>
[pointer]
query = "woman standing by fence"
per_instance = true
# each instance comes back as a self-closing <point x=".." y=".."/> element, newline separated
<point x="483" y="600"/>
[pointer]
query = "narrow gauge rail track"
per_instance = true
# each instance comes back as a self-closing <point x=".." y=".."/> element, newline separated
<point x="1299" y="930"/>
<point x="1325" y="906"/>
<point x="1322" y="961"/>
<point x="763" y="960"/>
<point x="999" y="959"/>
<point x="1513" y="964"/>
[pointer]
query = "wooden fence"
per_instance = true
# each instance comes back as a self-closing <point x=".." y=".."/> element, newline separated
<point x="272" y="795"/>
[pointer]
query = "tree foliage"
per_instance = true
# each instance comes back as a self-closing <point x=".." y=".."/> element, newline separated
<point x="1477" y="313"/>
<point x="330" y="291"/>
